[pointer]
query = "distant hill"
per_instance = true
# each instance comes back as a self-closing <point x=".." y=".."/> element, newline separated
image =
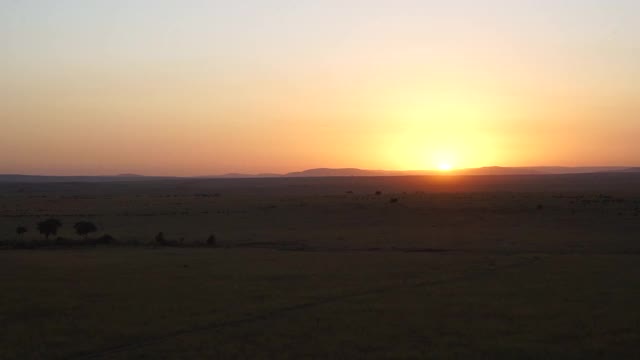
<point x="575" y="170"/>
<point x="498" y="170"/>
<point x="535" y="170"/>
<point x="630" y="170"/>
<point x="239" y="176"/>
<point x="129" y="175"/>
<point x="329" y="172"/>
<point x="347" y="172"/>
<point x="483" y="171"/>
<point x="16" y="178"/>
<point x="324" y="172"/>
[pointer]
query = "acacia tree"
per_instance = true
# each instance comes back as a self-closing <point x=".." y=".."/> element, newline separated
<point x="84" y="228"/>
<point x="49" y="227"/>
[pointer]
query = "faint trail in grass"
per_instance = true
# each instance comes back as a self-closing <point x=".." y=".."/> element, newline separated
<point x="151" y="340"/>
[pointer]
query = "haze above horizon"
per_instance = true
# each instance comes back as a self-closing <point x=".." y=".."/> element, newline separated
<point x="189" y="88"/>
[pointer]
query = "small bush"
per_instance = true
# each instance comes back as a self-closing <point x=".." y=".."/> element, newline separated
<point x="20" y="230"/>
<point x="106" y="239"/>
<point x="63" y="241"/>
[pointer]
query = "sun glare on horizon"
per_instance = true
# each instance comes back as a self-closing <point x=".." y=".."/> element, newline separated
<point x="445" y="159"/>
<point x="445" y="167"/>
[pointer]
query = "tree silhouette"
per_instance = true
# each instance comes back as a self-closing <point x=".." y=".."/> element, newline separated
<point x="20" y="230"/>
<point x="84" y="228"/>
<point x="106" y="239"/>
<point x="49" y="227"/>
<point x="160" y="239"/>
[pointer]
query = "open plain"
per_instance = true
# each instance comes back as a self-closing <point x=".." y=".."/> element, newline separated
<point x="379" y="267"/>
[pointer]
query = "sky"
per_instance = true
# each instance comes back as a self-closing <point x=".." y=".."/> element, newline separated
<point x="210" y="87"/>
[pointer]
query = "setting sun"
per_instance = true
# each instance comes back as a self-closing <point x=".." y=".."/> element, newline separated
<point x="445" y="167"/>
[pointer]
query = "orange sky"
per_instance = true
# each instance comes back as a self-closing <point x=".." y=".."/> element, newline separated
<point x="195" y="89"/>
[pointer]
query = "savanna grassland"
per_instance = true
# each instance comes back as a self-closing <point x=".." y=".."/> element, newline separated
<point x="404" y="267"/>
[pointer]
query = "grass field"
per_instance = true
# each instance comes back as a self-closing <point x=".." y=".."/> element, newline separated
<point x="506" y="267"/>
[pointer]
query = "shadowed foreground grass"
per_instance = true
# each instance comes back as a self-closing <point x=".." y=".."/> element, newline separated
<point x="457" y="267"/>
<point x="124" y="303"/>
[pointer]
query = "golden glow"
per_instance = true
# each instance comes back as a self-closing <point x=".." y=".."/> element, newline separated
<point x="444" y="160"/>
<point x="456" y="127"/>
<point x="445" y="167"/>
<point x="400" y="92"/>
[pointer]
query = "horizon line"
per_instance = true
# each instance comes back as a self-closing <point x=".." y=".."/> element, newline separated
<point x="276" y="174"/>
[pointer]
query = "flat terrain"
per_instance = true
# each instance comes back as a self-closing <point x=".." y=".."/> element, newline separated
<point x="429" y="267"/>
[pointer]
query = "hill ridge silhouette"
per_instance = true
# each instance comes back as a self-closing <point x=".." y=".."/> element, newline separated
<point x="334" y="172"/>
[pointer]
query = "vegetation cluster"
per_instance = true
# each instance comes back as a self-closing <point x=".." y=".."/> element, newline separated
<point x="50" y="227"/>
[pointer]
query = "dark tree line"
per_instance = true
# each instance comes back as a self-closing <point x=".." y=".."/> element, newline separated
<point x="51" y="226"/>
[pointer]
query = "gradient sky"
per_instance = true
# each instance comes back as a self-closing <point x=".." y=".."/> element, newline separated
<point x="209" y="87"/>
